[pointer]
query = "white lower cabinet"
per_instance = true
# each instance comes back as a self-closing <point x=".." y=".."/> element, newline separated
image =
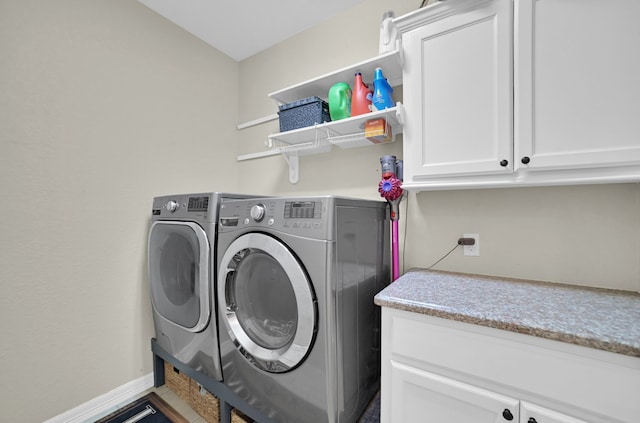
<point x="531" y="413"/>
<point x="436" y="370"/>
<point x="421" y="396"/>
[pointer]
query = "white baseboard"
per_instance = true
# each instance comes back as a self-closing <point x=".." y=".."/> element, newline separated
<point x="106" y="403"/>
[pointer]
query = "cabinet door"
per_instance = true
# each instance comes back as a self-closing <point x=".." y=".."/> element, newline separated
<point x="577" y="97"/>
<point x="420" y="396"/>
<point x="458" y="92"/>
<point x="531" y="413"/>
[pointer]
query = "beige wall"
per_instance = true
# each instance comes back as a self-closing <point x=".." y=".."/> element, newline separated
<point x="103" y="105"/>
<point x="584" y="235"/>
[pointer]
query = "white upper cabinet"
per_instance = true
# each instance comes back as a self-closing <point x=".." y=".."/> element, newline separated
<point x="521" y="92"/>
<point x="458" y="95"/>
<point x="577" y="97"/>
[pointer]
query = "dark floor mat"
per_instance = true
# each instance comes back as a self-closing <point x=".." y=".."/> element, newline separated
<point x="148" y="409"/>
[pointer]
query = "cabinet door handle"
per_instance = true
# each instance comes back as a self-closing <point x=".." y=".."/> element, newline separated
<point x="507" y="414"/>
<point x="532" y="420"/>
<point x="504" y="163"/>
<point x="525" y="160"/>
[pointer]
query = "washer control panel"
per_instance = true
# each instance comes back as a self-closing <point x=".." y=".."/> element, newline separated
<point x="195" y="206"/>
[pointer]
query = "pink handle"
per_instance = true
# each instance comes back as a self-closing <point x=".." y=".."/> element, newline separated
<point x="395" y="253"/>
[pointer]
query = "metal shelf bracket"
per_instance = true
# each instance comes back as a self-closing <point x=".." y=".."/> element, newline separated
<point x="293" y="160"/>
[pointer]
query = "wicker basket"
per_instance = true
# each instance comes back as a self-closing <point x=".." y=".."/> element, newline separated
<point x="238" y="417"/>
<point x="176" y="381"/>
<point x="303" y="113"/>
<point x="204" y="403"/>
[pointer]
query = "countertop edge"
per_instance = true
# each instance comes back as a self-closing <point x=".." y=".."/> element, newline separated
<point x="436" y="310"/>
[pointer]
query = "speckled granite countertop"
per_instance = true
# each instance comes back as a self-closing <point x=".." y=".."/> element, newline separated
<point x="591" y="317"/>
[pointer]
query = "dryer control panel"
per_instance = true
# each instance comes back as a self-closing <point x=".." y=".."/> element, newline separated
<point x="304" y="217"/>
<point x="302" y="210"/>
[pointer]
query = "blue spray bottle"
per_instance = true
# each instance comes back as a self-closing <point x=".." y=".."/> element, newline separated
<point x="382" y="91"/>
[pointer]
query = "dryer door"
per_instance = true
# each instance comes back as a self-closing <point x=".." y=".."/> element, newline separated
<point x="267" y="302"/>
<point x="179" y="260"/>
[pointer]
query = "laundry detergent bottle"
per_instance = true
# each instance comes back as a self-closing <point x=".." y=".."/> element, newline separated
<point x="360" y="97"/>
<point x="382" y="92"/>
<point x="339" y="101"/>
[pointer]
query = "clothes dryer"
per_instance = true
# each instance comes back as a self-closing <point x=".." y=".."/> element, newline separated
<point x="299" y="332"/>
<point x="181" y="265"/>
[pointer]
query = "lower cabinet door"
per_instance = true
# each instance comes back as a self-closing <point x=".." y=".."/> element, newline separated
<point x="421" y="396"/>
<point x="532" y="413"/>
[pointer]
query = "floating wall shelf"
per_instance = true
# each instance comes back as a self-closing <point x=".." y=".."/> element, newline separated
<point x="353" y="127"/>
<point x="391" y="64"/>
<point x="345" y="133"/>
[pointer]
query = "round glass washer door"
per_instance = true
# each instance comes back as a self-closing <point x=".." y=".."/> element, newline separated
<point x="267" y="302"/>
<point x="179" y="273"/>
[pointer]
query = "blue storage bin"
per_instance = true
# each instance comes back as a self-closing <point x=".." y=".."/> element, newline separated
<point x="303" y="113"/>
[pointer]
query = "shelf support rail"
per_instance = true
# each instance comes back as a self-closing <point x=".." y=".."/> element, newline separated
<point x="256" y="122"/>
<point x="292" y="152"/>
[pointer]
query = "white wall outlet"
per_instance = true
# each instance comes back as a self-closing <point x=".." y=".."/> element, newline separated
<point x="472" y="250"/>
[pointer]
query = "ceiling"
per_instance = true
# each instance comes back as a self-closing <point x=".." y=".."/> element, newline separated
<point x="242" y="28"/>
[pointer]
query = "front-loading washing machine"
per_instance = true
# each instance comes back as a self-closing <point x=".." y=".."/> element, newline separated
<point x="299" y="331"/>
<point x="181" y="265"/>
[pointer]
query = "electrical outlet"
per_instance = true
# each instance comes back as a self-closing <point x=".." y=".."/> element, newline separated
<point x="472" y="250"/>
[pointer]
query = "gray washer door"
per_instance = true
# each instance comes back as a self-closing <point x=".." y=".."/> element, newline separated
<point x="267" y="302"/>
<point x="179" y="258"/>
